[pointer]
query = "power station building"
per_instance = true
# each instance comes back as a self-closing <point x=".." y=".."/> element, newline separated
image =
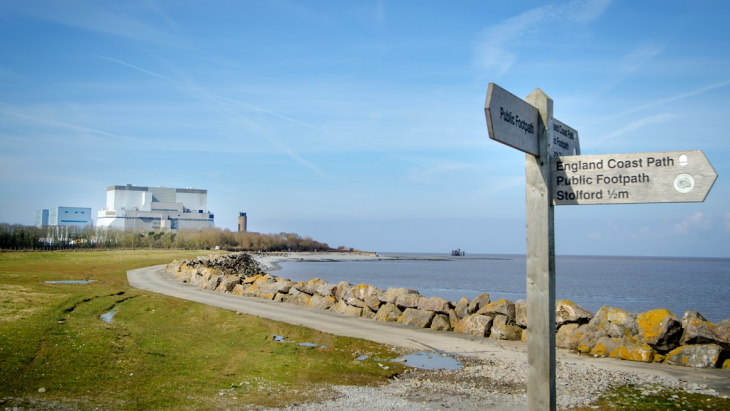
<point x="137" y="208"/>
<point x="79" y="217"/>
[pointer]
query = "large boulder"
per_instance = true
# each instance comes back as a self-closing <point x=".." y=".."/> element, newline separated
<point x="617" y="330"/>
<point x="435" y="304"/>
<point x="475" y="324"/>
<point x="391" y="294"/>
<point x="339" y="307"/>
<point x="461" y="308"/>
<point x="404" y="301"/>
<point x="388" y="312"/>
<point x="228" y="282"/>
<point x="326" y="290"/>
<point x="699" y="356"/>
<point x="310" y="287"/>
<point x="268" y="290"/>
<point x="632" y="350"/>
<point x="500" y="307"/>
<point x="351" y="310"/>
<point x="283" y="285"/>
<point x="441" y="322"/>
<point x="321" y="302"/>
<point x="419" y="318"/>
<point x="341" y="290"/>
<point x="454" y="318"/>
<point x="502" y="329"/>
<point x="567" y="311"/>
<point x="606" y="316"/>
<point x="301" y="298"/>
<point x="722" y="330"/>
<point x="211" y="283"/>
<point x="586" y="337"/>
<point x="659" y="328"/>
<point x="521" y="313"/>
<point x="698" y="331"/>
<point x="478" y="302"/>
<point x="565" y="337"/>
<point x="372" y="302"/>
<point x="361" y="291"/>
<point x="606" y="347"/>
<point x="251" y="290"/>
<point x="368" y="313"/>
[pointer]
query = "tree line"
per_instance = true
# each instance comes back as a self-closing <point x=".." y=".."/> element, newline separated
<point x="21" y="237"/>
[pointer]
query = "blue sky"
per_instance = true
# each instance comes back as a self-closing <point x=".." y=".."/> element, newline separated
<point x="362" y="123"/>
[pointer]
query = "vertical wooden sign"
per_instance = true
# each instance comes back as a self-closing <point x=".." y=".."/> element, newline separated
<point x="540" y="265"/>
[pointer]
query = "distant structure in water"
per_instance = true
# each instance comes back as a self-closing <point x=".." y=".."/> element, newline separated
<point x="138" y="208"/>
<point x="242" y="223"/>
<point x="458" y="253"/>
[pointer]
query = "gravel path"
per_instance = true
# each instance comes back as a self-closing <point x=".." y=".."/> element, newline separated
<point x="491" y="385"/>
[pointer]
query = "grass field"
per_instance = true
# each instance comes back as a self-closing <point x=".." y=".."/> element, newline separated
<point x="157" y="352"/>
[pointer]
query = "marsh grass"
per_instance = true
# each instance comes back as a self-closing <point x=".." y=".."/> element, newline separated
<point x="157" y="352"/>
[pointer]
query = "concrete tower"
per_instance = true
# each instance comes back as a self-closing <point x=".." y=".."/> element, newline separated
<point x="242" y="223"/>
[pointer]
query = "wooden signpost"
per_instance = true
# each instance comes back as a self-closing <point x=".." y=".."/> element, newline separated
<point x="555" y="174"/>
<point x="665" y="177"/>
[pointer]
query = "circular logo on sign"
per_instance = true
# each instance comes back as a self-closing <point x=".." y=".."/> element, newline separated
<point x="684" y="183"/>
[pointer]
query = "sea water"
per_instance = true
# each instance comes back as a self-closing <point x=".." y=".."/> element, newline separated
<point x="634" y="284"/>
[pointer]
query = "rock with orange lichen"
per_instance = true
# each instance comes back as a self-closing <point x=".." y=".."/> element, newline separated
<point x="586" y="337"/>
<point x="567" y="311"/>
<point x="632" y="350"/>
<point x="660" y="329"/>
<point x="609" y="318"/>
<point x="606" y="347"/>
<point x="699" y="356"/>
<point x="388" y="312"/>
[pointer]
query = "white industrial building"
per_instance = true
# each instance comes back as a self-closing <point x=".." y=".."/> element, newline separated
<point x="137" y="208"/>
<point x="62" y="216"/>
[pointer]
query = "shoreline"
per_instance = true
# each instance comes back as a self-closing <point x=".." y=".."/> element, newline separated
<point x="503" y="359"/>
<point x="270" y="261"/>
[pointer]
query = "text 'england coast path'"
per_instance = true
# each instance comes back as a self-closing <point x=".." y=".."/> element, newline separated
<point x="155" y="279"/>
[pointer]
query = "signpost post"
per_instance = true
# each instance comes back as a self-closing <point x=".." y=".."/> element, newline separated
<point x="556" y="174"/>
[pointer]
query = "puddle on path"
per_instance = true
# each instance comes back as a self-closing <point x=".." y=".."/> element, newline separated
<point x="70" y="282"/>
<point x="279" y="338"/>
<point x="429" y="361"/>
<point x="107" y="317"/>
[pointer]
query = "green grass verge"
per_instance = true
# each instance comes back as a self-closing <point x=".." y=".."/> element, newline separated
<point x="158" y="352"/>
<point x="630" y="398"/>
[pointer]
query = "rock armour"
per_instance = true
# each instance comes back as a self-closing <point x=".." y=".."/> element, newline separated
<point x="653" y="336"/>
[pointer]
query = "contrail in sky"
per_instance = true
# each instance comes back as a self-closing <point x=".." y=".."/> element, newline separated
<point x="269" y="112"/>
<point x="669" y="100"/>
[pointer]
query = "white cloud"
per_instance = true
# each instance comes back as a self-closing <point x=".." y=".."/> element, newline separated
<point x="695" y="221"/>
<point x="490" y="50"/>
<point x="638" y="57"/>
